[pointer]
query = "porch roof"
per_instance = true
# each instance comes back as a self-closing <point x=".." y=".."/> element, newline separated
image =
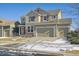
<point x="20" y="25"/>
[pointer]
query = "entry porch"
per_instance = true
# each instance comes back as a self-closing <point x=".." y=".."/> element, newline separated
<point x="5" y="31"/>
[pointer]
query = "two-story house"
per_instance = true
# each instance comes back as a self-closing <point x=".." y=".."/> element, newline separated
<point x="44" y="23"/>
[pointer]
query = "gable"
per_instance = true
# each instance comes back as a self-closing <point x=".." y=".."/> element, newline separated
<point x="40" y="11"/>
<point x="37" y="12"/>
<point x="32" y="13"/>
<point x="53" y="12"/>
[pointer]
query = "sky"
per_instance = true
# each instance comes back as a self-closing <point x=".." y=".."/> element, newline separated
<point x="14" y="11"/>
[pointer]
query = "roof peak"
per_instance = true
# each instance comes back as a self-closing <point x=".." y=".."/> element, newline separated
<point x="39" y="9"/>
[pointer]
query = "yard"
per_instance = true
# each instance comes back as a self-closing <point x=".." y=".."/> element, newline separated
<point x="11" y="40"/>
<point x="73" y="52"/>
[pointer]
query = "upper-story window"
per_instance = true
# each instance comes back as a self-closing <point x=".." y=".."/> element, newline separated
<point x="23" y="20"/>
<point x="46" y="18"/>
<point x="53" y="17"/>
<point x="31" y="18"/>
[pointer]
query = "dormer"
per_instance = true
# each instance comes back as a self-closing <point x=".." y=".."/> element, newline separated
<point x="54" y="14"/>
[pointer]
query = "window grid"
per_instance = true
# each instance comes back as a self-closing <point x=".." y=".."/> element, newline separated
<point x="30" y="28"/>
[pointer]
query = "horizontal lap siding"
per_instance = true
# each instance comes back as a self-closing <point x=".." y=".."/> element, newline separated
<point x="0" y="33"/>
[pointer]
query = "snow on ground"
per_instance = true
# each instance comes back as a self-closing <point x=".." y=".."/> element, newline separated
<point x="55" y="46"/>
<point x="61" y="41"/>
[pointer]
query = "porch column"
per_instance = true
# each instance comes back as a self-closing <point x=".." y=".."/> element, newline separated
<point x="2" y="32"/>
<point x="54" y="31"/>
<point x="10" y="31"/>
<point x="57" y="31"/>
<point x="36" y="32"/>
<point x="25" y="30"/>
<point x="19" y="30"/>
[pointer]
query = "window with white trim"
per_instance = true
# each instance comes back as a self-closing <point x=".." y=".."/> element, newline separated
<point x="31" y="18"/>
<point x="46" y="18"/>
<point x="30" y="28"/>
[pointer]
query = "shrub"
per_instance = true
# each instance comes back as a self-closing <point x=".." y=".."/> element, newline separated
<point x="73" y="37"/>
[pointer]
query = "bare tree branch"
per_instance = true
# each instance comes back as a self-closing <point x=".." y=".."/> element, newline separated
<point x="73" y="10"/>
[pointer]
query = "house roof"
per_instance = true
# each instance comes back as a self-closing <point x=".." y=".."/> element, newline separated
<point x="43" y="12"/>
<point x="37" y="12"/>
<point x="53" y="12"/>
<point x="40" y="11"/>
<point x="4" y="22"/>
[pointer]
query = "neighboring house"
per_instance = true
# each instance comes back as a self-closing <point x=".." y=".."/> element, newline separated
<point x="6" y="27"/>
<point x="44" y="23"/>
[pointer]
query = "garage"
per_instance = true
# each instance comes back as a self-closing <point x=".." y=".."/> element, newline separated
<point x="0" y="33"/>
<point x="6" y="33"/>
<point x="45" y="32"/>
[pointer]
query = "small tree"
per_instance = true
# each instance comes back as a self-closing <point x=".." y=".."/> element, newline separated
<point x="73" y="37"/>
<point x="73" y="11"/>
<point x="17" y="23"/>
<point x="16" y="29"/>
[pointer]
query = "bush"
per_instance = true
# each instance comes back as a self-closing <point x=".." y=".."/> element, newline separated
<point x="73" y="37"/>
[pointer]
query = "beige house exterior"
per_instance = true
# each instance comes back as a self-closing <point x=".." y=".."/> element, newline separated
<point x="42" y="23"/>
<point x="6" y="27"/>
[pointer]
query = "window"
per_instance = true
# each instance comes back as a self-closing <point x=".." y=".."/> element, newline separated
<point x="53" y="17"/>
<point x="46" y="18"/>
<point x="30" y="28"/>
<point x="23" y="20"/>
<point x="32" y="18"/>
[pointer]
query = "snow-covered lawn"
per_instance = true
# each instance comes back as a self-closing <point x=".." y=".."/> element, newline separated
<point x="45" y="44"/>
<point x="57" y="45"/>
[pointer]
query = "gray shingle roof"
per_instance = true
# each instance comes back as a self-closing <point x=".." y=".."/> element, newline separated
<point x="42" y="12"/>
<point x="53" y="12"/>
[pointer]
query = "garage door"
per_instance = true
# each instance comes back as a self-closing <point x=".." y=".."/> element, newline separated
<point x="45" y="32"/>
<point x="6" y="33"/>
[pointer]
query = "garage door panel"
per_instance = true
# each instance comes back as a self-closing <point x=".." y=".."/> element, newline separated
<point x="47" y="32"/>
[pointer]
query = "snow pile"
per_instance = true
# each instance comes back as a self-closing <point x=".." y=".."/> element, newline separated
<point x="61" y="41"/>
